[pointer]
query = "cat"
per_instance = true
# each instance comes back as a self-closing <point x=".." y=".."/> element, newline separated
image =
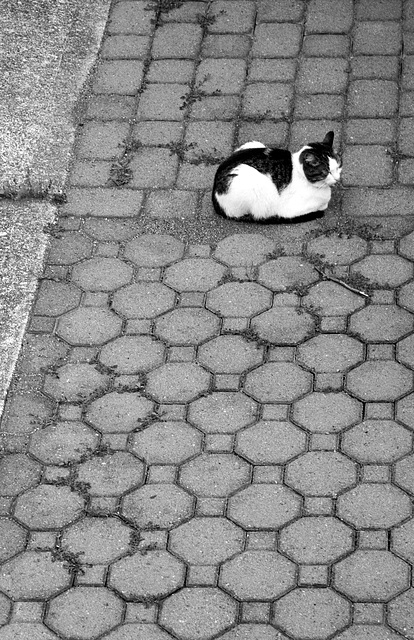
<point x="262" y="184"/>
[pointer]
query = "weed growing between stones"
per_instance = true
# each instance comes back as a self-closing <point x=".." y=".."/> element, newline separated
<point x="120" y="172"/>
<point x="70" y="560"/>
<point x="196" y="93"/>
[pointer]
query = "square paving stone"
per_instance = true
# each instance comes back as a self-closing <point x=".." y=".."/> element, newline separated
<point x="125" y="46"/>
<point x="223" y="75"/>
<point x="372" y="98"/>
<point x="232" y="16"/>
<point x="368" y="165"/>
<point x="327" y="16"/>
<point x="130" y="17"/>
<point x="322" y="75"/>
<point x="382" y="38"/>
<point x="273" y="40"/>
<point x="267" y="100"/>
<point x="176" y="41"/>
<point x="118" y="76"/>
<point x="162" y="102"/>
<point x="171" y="70"/>
<point x="375" y="67"/>
<point x="217" y="46"/>
<point x="153" y="167"/>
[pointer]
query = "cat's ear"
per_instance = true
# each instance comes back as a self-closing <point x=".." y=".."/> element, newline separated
<point x="311" y="159"/>
<point x="328" y="139"/>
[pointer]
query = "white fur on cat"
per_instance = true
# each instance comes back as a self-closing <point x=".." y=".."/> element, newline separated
<point x="254" y="193"/>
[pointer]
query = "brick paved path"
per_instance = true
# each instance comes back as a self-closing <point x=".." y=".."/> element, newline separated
<point x="207" y="435"/>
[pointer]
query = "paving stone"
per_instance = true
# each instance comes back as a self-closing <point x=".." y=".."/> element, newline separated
<point x="371" y="575"/>
<point x="48" y="507"/>
<point x="317" y="45"/>
<point x="177" y="382"/>
<point x="401" y="540"/>
<point x="84" y="612"/>
<point x="372" y="98"/>
<point x="330" y="353"/>
<point x="406" y="246"/>
<point x="400" y="613"/>
<point x="138" y="631"/>
<point x="241" y="299"/>
<point x="377" y="37"/>
<point x="101" y="139"/>
<point x="378" y="506"/>
<point x="381" y="323"/>
<point x="33" y="574"/>
<point x="125" y="46"/>
<point x="97" y="540"/>
<point x="188" y="326"/>
<point x="166" y="443"/>
<point x="405" y="351"/>
<point x="257" y="575"/>
<point x="39" y="352"/>
<point x="215" y="107"/>
<point x="118" y="77"/>
<point x="244" y="249"/>
<point x="88" y="326"/>
<point x="316" y="540"/>
<point x="161" y="102"/>
<point x="368" y="165"/>
<point x="24" y="413"/>
<point x="405" y="410"/>
<point x="316" y="106"/>
<point x="153" y="167"/>
<point x="208" y="138"/>
<point x="325" y="16"/>
<point x="322" y="613"/>
<point x="214" y="474"/>
<point x="12" y="539"/>
<point x="321" y="473"/>
<point x="130" y="17"/>
<point x="230" y="354"/>
<point x="406" y="296"/>
<point x="63" y="443"/>
<point x="160" y="506"/>
<point x="5" y="606"/>
<point x="104" y="203"/>
<point x="222" y="412"/>
<point x="379" y="381"/>
<point x="171" y="203"/>
<point x="112" y="474"/>
<point x="232" y="16"/>
<point x="25" y="630"/>
<point x="274" y="40"/>
<point x="143" y="300"/>
<point x="176" y="41"/>
<point x="253" y="632"/>
<point x="375" y="67"/>
<point x="153" y="575"/>
<point x="264" y="506"/>
<point x="194" y="274"/>
<point x="154" y="250"/>
<point x="118" y="412"/>
<point x="404" y="475"/>
<point x="329" y="298"/>
<point x="206" y="541"/>
<point x="286" y="273"/>
<point x="101" y="274"/>
<point x="322" y="75"/>
<point x="277" y="382"/>
<point x="132" y="354"/>
<point x="55" y="298"/>
<point x="265" y="100"/>
<point x="75" y="382"/>
<point x="270" y="442"/>
<point x="377" y="441"/>
<point x="18" y="472"/>
<point x="370" y="131"/>
<point x="384" y="270"/>
<point x="224" y="75"/>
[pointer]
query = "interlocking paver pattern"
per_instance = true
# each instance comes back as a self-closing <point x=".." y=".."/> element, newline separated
<point x="210" y="430"/>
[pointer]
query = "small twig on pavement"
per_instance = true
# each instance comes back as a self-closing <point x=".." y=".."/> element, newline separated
<point x="341" y="282"/>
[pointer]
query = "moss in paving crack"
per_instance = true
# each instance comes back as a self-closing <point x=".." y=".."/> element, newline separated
<point x="154" y="416"/>
<point x="197" y="93"/>
<point x="70" y="560"/>
<point x="73" y="483"/>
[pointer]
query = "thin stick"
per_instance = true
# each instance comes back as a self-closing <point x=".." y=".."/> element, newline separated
<point x="342" y="283"/>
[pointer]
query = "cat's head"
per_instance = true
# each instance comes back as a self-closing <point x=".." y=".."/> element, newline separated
<point x="320" y="164"/>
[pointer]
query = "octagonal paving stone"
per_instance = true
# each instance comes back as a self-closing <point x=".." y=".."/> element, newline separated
<point x="63" y="443"/>
<point x="322" y="613"/>
<point x="26" y="630"/>
<point x="278" y="382"/>
<point x="194" y="274"/>
<point x="401" y="614"/>
<point x="381" y="323"/>
<point x="406" y="246"/>
<point x="132" y="354"/>
<point x="384" y="270"/>
<point x="143" y="300"/>
<point x="223" y="412"/>
<point x="239" y="299"/>
<point x="336" y="249"/>
<point x="330" y="299"/>
<point x="153" y="251"/>
<point x="243" y="250"/>
<point x="187" y="326"/>
<point x="270" y="442"/>
<point x="330" y="353"/>
<point x="321" y="473"/>
<point x="253" y="631"/>
<point x="375" y="506"/>
<point x="24" y="412"/>
<point x="257" y="575"/>
<point x="264" y="506"/>
<point x="18" y="472"/>
<point x="214" y="474"/>
<point x="55" y="298"/>
<point x="89" y="326"/>
<point x="33" y="575"/>
<point x="5" y="607"/>
<point x="177" y="382"/>
<point x="406" y="296"/>
<point x="75" y="382"/>
<point x="316" y="540"/>
<point x="287" y="272"/>
<point x="405" y="351"/>
<point x="284" y="325"/>
<point x="402" y="540"/>
<point x="368" y="632"/>
<point x="96" y="540"/>
<point x="48" y="507"/>
<point x="326" y="412"/>
<point x="198" y="613"/>
<point x="118" y="412"/>
<point x="84" y="612"/>
<point x="377" y="442"/>
<point x="154" y="574"/>
<point x="138" y="631"/>
<point x="166" y="443"/>
<point x="69" y="248"/>
<point x="230" y="354"/>
<point x="12" y="538"/>
<point x="371" y="576"/>
<point x="112" y="474"/>
<point x="206" y="541"/>
<point x="405" y="410"/>
<point x="379" y="381"/>
<point x="404" y="474"/>
<point x="158" y="506"/>
<point x="101" y="274"/>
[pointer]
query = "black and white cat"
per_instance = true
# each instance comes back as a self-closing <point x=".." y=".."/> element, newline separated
<point x="260" y="183"/>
